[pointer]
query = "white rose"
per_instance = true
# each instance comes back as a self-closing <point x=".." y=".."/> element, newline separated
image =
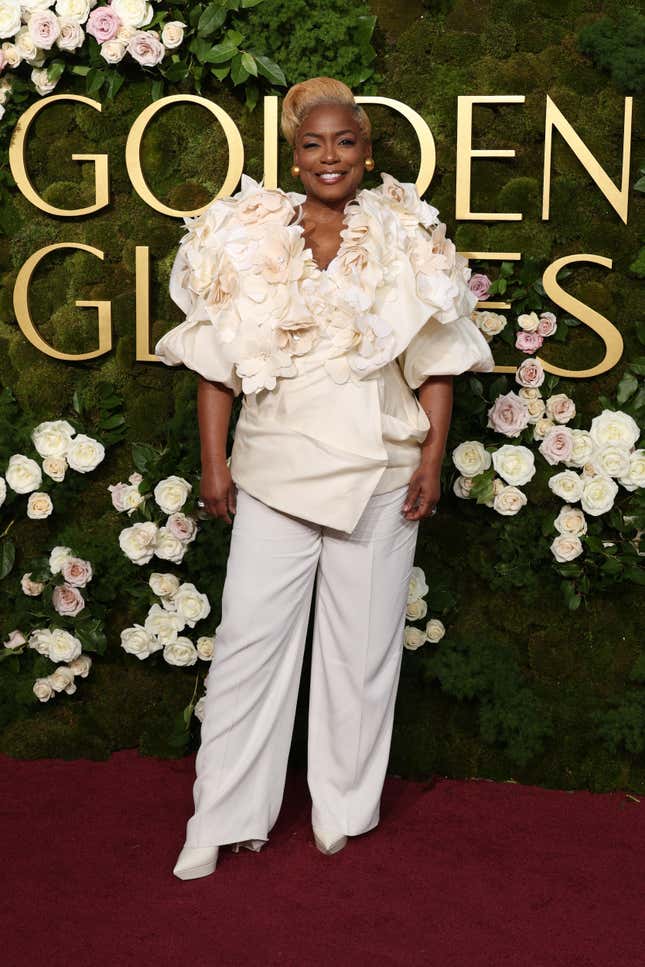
<point x="77" y="10"/>
<point x="180" y="652"/>
<point x="198" y="711"/>
<point x="40" y="641"/>
<point x="527" y="393"/>
<point x="12" y="55"/>
<point x="611" y="459"/>
<point x="635" y="477"/>
<point x="23" y="474"/>
<point x="24" y="43"/>
<point x="164" y="625"/>
<point x="84" y="453"/>
<point x="413" y="637"/>
<point x="52" y="438"/>
<point x="509" y="501"/>
<point x="137" y="641"/>
<point x="535" y="409"/>
<point x="566" y="547"/>
<point x="172" y="34"/>
<point x="567" y="484"/>
<point x="16" y="639"/>
<point x="31" y="588"/>
<point x="72" y="35"/>
<point x="138" y="542"/>
<point x="462" y="487"/>
<point x="614" y="427"/>
<point x="560" y="408"/>
<point x="515" y="464"/>
<point x="171" y="494"/>
<point x="3" y="490"/>
<point x="81" y="665"/>
<point x="55" y="468"/>
<point x="598" y="495"/>
<point x="113" y="51"/>
<point x="133" y="13"/>
<point x="471" y="458"/>
<point x="124" y="33"/>
<point x="417" y="587"/>
<point x="163" y="585"/>
<point x="206" y="647"/>
<point x="57" y="558"/>
<point x="9" y="18"/>
<point x="191" y="604"/>
<point x="63" y="646"/>
<point x="39" y="505"/>
<point x="416" y="609"/>
<point x="62" y="678"/>
<point x="435" y="630"/>
<point x="41" y="81"/>
<point x="583" y="447"/>
<point x="169" y="547"/>
<point x="571" y="521"/>
<point x="43" y="689"/>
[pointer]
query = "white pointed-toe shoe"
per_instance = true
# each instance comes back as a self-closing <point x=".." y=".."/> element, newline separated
<point x="329" y="843"/>
<point x="195" y="861"/>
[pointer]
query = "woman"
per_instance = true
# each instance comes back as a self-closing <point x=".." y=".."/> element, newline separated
<point x="326" y="310"/>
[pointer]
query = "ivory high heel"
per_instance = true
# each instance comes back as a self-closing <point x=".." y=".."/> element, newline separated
<point x="195" y="861"/>
<point x="329" y="843"/>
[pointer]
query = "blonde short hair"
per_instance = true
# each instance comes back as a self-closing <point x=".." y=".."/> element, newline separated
<point x="305" y="95"/>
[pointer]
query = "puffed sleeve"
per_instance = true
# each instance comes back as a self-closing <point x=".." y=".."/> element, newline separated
<point x="449" y="342"/>
<point x="199" y="264"/>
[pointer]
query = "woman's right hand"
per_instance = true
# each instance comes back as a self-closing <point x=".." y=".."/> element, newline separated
<point x="217" y="491"/>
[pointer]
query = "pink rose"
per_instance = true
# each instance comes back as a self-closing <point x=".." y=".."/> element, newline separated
<point x="43" y="28"/>
<point x="103" y="24"/>
<point x="547" y="325"/>
<point x="135" y="479"/>
<point x="530" y="373"/>
<point x="145" y="47"/>
<point x="119" y="492"/>
<point x="560" y="408"/>
<point x="76" y="571"/>
<point x="528" y="342"/>
<point x="508" y="415"/>
<point x="15" y="639"/>
<point x="67" y="600"/>
<point x="557" y="444"/>
<point x="480" y="285"/>
<point x="182" y="527"/>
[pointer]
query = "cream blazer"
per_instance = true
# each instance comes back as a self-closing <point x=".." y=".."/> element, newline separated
<point x="328" y="359"/>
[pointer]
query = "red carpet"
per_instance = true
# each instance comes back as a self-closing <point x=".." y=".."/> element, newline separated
<point x="457" y="874"/>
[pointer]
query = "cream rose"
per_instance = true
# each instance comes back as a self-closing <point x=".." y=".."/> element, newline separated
<point x="113" y="51"/>
<point x="164" y="625"/>
<point x="206" y="647"/>
<point x="180" y="652"/>
<point x="40" y="80"/>
<point x="611" y="459"/>
<point x="509" y="501"/>
<point x="84" y="453"/>
<point x="133" y="13"/>
<point x="515" y="464"/>
<point x="571" y="521"/>
<point x="77" y="10"/>
<point x="138" y="542"/>
<point x="71" y="35"/>
<point x="542" y="427"/>
<point x="3" y="490"/>
<point x="81" y="665"/>
<point x="39" y="505"/>
<point x="635" y="477"/>
<point x="471" y="458"/>
<point x="9" y="18"/>
<point x="55" y="468"/>
<point x="560" y="408"/>
<point x="23" y="474"/>
<point x="413" y="638"/>
<point x="191" y="604"/>
<point x="137" y="641"/>
<point x="31" y="588"/>
<point x="168" y="547"/>
<point x="490" y="323"/>
<point x="12" y="56"/>
<point x="528" y="321"/>
<point x="199" y="709"/>
<point x="171" y="494"/>
<point x="416" y="609"/>
<point x="40" y="641"/>
<point x="583" y="448"/>
<point x="462" y="487"/>
<point x="42" y="689"/>
<point x="163" y="585"/>
<point x="614" y="427"/>
<point x="172" y="34"/>
<point x="62" y="679"/>
<point x="16" y="639"/>
<point x="598" y="495"/>
<point x="566" y="547"/>
<point x="567" y="484"/>
<point x="435" y="630"/>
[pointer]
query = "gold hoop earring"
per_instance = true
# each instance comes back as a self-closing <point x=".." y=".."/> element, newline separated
<point x="295" y="170"/>
<point x="369" y="164"/>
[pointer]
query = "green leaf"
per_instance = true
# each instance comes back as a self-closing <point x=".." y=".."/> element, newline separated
<point x="94" y="80"/>
<point x="638" y="365"/>
<point x="627" y="387"/>
<point x="7" y="557"/>
<point x="144" y="456"/>
<point x="221" y="72"/>
<point x="248" y="63"/>
<point x="55" y="69"/>
<point x="212" y="18"/>
<point x="220" y="53"/>
<point x="267" y="68"/>
<point x="238" y="72"/>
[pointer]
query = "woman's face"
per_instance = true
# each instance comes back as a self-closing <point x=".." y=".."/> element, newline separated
<point x="329" y="142"/>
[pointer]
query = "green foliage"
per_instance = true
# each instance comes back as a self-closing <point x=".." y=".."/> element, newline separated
<point x="310" y="38"/>
<point x="617" y="44"/>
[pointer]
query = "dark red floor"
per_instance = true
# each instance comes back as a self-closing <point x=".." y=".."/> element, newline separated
<point x="457" y="874"/>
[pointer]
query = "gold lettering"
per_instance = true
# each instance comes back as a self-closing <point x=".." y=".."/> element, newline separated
<point x="428" y="154"/>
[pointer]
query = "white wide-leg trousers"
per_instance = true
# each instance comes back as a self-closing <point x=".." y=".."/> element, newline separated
<point x="252" y="685"/>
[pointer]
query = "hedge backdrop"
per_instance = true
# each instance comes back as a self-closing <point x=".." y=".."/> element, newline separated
<point x="528" y="683"/>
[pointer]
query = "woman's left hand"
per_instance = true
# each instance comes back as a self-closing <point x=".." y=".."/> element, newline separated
<point x="424" y="491"/>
